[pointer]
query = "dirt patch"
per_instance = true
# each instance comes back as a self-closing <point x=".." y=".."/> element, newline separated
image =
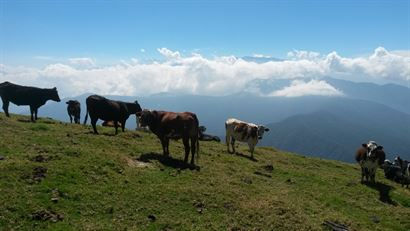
<point x="45" y="215"/>
<point x="39" y="173"/>
<point x="268" y="168"/>
<point x="135" y="163"/>
<point x="41" y="158"/>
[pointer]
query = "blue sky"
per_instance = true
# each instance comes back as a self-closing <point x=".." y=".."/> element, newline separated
<point x="113" y="30"/>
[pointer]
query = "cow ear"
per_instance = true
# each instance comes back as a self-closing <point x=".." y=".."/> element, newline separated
<point x="68" y="102"/>
<point x="379" y="147"/>
<point x="54" y="88"/>
<point x="364" y="145"/>
<point x="266" y="129"/>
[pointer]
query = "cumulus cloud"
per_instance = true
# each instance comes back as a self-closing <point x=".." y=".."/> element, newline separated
<point x="168" y="53"/>
<point x="196" y="74"/>
<point x="298" y="54"/>
<point x="82" y="62"/>
<point x="313" y="87"/>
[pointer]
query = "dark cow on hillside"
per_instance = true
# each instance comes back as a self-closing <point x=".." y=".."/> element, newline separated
<point x="206" y="137"/>
<point x="74" y="110"/>
<point x="23" y="95"/>
<point x="99" y="107"/>
<point x="399" y="171"/>
<point x="173" y="125"/>
<point x="370" y="156"/>
<point x="244" y="132"/>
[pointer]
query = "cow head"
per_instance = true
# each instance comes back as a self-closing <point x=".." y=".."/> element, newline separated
<point x="138" y="106"/>
<point x="72" y="102"/>
<point x="54" y="95"/>
<point x="146" y="118"/>
<point x="261" y="130"/>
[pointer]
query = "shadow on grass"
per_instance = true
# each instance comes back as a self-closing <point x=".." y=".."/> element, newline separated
<point x="384" y="192"/>
<point x="24" y="120"/>
<point x="167" y="161"/>
<point x="246" y="156"/>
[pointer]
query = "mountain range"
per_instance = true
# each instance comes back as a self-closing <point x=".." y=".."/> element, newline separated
<point x="330" y="127"/>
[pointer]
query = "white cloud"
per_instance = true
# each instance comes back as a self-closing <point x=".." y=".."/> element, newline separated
<point x="195" y="74"/>
<point x="142" y="50"/>
<point x="168" y="53"/>
<point x="82" y="62"/>
<point x="313" y="87"/>
<point x="261" y="56"/>
<point x="297" y="54"/>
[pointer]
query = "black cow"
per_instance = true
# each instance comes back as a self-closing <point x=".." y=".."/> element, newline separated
<point x="22" y="95"/>
<point x="74" y="110"/>
<point x="102" y="108"/>
<point x="206" y="137"/>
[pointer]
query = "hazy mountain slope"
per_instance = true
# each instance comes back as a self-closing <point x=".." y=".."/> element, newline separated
<point x="336" y="131"/>
<point x="57" y="176"/>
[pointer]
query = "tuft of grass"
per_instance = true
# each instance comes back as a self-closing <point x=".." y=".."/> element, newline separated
<point x="60" y="176"/>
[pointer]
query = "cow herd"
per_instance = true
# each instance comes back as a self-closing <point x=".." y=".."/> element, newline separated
<point x="370" y="156"/>
<point x="184" y="125"/>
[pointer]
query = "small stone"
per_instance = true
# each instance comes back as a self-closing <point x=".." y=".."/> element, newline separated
<point x="152" y="217"/>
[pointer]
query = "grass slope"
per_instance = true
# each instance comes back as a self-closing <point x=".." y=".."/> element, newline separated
<point x="60" y="176"/>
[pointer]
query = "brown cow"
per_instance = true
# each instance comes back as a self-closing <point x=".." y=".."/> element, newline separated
<point x="74" y="110"/>
<point x="370" y="156"/>
<point x="172" y="125"/>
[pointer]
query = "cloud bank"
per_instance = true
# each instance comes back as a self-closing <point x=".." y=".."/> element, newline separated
<point x="223" y="75"/>
<point x="313" y="87"/>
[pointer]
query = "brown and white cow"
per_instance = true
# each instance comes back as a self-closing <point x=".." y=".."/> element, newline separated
<point x="244" y="132"/>
<point x="370" y="156"/>
<point x="173" y="125"/>
<point x="110" y="123"/>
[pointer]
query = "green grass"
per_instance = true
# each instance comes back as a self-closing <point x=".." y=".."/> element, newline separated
<point x="97" y="182"/>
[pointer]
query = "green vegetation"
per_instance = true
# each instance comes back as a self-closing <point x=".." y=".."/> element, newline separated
<point x="60" y="176"/>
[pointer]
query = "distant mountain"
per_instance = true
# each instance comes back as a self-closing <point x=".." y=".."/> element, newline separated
<point x="328" y="126"/>
<point x="337" y="130"/>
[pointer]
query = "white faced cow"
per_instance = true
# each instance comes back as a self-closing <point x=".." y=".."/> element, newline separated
<point x="244" y="132"/>
<point x="370" y="156"/>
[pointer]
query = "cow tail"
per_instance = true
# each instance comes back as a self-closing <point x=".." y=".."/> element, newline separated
<point x="86" y="116"/>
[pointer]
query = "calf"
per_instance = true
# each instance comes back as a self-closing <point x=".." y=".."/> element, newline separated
<point x="23" y="95"/>
<point x="102" y="108"/>
<point x="172" y="125"/>
<point x="74" y="110"/>
<point x="369" y="157"/>
<point x="243" y="132"/>
<point x="110" y="123"/>
<point x="206" y="137"/>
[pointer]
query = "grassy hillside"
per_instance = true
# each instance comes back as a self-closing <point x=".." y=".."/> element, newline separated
<point x="61" y="177"/>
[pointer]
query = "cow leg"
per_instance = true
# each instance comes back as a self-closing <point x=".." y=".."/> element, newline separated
<point x="32" y="113"/>
<point x="35" y="112"/>
<point x="94" y="124"/>
<point x="71" y="119"/>
<point x="116" y="127"/>
<point x="233" y="144"/>
<point x="123" y="125"/>
<point x="193" y="150"/>
<point x="185" y="140"/>
<point x="6" y="106"/>
<point x="251" y="149"/>
<point x="165" y="144"/>
<point x="228" y="141"/>
<point x="363" y="173"/>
